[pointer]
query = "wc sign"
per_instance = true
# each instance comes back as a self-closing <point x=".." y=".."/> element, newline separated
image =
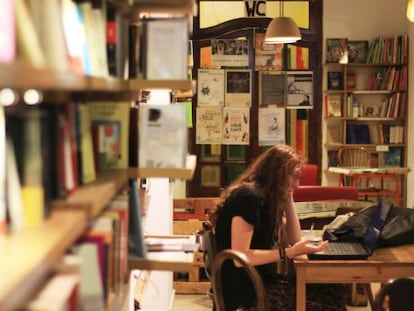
<point x="255" y="8"/>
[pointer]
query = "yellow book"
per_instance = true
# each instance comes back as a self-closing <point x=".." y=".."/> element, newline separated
<point x="33" y="206"/>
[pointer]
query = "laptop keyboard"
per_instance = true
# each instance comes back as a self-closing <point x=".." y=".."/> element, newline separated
<point x="345" y="248"/>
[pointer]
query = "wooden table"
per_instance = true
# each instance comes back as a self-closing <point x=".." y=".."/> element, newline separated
<point x="384" y="264"/>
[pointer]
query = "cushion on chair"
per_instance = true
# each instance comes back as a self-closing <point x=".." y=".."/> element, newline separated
<point x="320" y="193"/>
<point x="309" y="176"/>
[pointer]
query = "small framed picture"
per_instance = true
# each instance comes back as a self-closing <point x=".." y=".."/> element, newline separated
<point x="335" y="80"/>
<point x="333" y="105"/>
<point x="357" y="51"/>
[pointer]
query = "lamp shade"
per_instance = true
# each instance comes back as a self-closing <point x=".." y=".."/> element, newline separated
<point x="410" y="10"/>
<point x="282" y="30"/>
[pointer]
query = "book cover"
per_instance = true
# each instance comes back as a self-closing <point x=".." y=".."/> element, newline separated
<point x="91" y="253"/>
<point x="47" y="18"/>
<point x="268" y="56"/>
<point x="272" y="126"/>
<point x="28" y="43"/>
<point x="8" y="31"/>
<point x="85" y="143"/>
<point x="272" y="88"/>
<point x="14" y="191"/>
<point x="111" y="120"/>
<point x="334" y="105"/>
<point x="210" y="87"/>
<point x="393" y="157"/>
<point x="3" y="155"/>
<point x="163" y="137"/>
<point x="335" y="80"/>
<point x="336" y="50"/>
<point x="25" y="132"/>
<point x="166" y="52"/>
<point x="61" y="292"/>
<point x="236" y="126"/>
<point x="74" y="35"/>
<point x="357" y="51"/>
<point x="299" y="90"/>
<point x="208" y="125"/>
<point x="238" y="88"/>
<point x="135" y="227"/>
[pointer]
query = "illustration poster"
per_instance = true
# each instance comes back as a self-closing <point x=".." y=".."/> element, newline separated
<point x="300" y="90"/>
<point x="236" y="126"/>
<point x="208" y="125"/>
<point x="230" y="52"/>
<point x="210" y="86"/>
<point x="271" y="126"/>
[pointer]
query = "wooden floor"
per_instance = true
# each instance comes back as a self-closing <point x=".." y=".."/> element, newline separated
<point x="203" y="303"/>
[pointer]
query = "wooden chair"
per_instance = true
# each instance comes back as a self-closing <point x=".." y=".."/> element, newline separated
<point x="230" y="254"/>
<point x="400" y="294"/>
<point x="360" y="158"/>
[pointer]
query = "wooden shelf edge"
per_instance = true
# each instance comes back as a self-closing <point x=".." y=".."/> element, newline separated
<point x="32" y="254"/>
<point x="139" y="84"/>
<point x="167" y="6"/>
<point x="135" y="262"/>
<point x="174" y="173"/>
<point x="92" y="198"/>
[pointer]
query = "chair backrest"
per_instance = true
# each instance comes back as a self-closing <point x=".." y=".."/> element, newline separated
<point x="309" y="176"/>
<point x="209" y="247"/>
<point x="400" y="294"/>
<point x="230" y="254"/>
<point x="354" y="157"/>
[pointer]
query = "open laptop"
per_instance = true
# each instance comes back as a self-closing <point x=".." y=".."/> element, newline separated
<point x="356" y="250"/>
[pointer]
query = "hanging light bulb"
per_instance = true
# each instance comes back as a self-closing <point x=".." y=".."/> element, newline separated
<point x="282" y="29"/>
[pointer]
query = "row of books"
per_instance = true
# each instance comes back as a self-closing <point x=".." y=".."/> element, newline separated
<point x="94" y="268"/>
<point x="390" y="78"/>
<point x="392" y="50"/>
<point x="392" y="106"/>
<point x="52" y="149"/>
<point x="376" y="134"/>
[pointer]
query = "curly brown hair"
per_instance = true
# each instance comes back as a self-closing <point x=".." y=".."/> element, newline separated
<point x="269" y="175"/>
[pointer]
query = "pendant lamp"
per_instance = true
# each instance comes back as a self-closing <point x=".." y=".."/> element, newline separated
<point x="410" y="10"/>
<point x="282" y="29"/>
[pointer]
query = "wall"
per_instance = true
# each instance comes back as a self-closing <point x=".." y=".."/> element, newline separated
<point x="367" y="19"/>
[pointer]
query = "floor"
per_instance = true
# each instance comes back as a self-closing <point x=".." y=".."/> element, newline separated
<point x="203" y="303"/>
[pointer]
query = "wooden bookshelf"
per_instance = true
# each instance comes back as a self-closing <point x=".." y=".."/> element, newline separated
<point x="29" y="256"/>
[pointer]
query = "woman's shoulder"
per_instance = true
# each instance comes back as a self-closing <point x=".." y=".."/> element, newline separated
<point x="246" y="192"/>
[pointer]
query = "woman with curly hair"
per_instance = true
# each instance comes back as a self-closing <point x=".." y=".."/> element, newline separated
<point x="256" y="215"/>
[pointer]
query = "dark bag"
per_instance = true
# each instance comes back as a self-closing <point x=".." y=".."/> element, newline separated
<point x="398" y="228"/>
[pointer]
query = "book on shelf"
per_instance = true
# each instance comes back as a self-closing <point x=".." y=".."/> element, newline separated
<point x="25" y="131"/>
<point x="13" y="186"/>
<point x="334" y="105"/>
<point x="61" y="292"/>
<point x="3" y="173"/>
<point x="165" y="49"/>
<point x="91" y="252"/>
<point x="393" y="157"/>
<point x="111" y="123"/>
<point x="95" y="34"/>
<point x="351" y="80"/>
<point x="336" y="50"/>
<point x="162" y="136"/>
<point x="8" y="27"/>
<point x="47" y="19"/>
<point x="335" y="80"/>
<point x="28" y="43"/>
<point x="84" y="141"/>
<point x="135" y="228"/>
<point x="357" y="51"/>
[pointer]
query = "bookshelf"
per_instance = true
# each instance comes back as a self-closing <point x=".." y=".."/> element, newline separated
<point x="366" y="107"/>
<point x="33" y="253"/>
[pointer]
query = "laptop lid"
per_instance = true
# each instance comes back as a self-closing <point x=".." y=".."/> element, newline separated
<point x="376" y="225"/>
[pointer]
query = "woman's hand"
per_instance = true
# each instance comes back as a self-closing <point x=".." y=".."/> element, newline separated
<point x="305" y="246"/>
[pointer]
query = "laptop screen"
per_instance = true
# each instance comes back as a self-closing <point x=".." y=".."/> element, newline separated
<point x="374" y="230"/>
